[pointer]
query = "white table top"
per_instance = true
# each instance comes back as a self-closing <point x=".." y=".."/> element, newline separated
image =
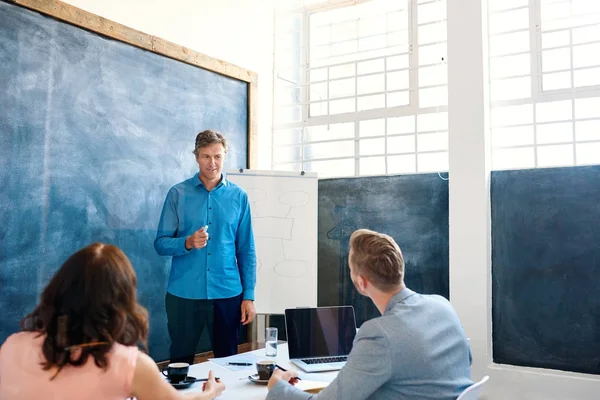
<point x="238" y="386"/>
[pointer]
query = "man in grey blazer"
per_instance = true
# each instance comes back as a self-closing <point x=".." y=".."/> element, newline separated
<point x="416" y="350"/>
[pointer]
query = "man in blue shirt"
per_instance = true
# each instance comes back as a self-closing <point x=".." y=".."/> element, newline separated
<point x="206" y="226"/>
<point x="417" y="349"/>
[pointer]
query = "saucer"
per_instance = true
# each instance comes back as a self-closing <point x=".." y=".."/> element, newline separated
<point x="254" y="378"/>
<point x="184" y="384"/>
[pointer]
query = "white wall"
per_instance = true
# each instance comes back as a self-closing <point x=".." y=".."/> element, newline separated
<point x="470" y="224"/>
<point x="237" y="31"/>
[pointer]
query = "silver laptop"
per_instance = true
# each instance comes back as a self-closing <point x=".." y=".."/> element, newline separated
<point x="320" y="339"/>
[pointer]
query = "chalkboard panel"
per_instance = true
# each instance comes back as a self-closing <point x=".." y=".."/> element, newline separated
<point x="546" y="268"/>
<point x="413" y="209"/>
<point x="93" y="132"/>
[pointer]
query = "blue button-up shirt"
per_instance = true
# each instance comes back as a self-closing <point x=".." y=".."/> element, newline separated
<point x="226" y="266"/>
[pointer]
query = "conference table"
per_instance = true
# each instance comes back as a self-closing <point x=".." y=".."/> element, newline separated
<point x="238" y="385"/>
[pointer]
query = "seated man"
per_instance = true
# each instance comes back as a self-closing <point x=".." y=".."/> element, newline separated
<point x="417" y="349"/>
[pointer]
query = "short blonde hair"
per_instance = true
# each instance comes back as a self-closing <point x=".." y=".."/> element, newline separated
<point x="208" y="138"/>
<point x="377" y="257"/>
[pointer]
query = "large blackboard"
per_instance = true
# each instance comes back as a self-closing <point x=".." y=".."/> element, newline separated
<point x="93" y="132"/>
<point x="413" y="209"/>
<point x="546" y="268"/>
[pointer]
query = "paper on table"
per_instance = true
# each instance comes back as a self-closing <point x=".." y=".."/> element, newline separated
<point x="315" y="377"/>
<point x="311" y="386"/>
<point x="237" y="358"/>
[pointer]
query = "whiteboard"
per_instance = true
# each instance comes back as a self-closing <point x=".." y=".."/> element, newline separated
<point x="284" y="221"/>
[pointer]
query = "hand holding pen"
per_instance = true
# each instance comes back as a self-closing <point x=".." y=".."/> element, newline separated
<point x="293" y="379"/>
<point x="198" y="239"/>
<point x="281" y="374"/>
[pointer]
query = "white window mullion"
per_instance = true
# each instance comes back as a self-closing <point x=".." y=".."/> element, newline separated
<point x="413" y="85"/>
<point x="385" y="159"/>
<point x="573" y="91"/>
<point x="535" y="43"/>
<point x="356" y="149"/>
<point x="535" y="39"/>
<point x="356" y="125"/>
<point x="274" y="109"/>
<point x="305" y="83"/>
<point x="305" y="62"/>
<point x="413" y="40"/>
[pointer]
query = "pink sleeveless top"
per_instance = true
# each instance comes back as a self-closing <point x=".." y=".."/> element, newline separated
<point x="22" y="376"/>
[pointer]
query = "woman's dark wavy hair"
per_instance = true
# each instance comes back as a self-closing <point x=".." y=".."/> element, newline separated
<point x="89" y="305"/>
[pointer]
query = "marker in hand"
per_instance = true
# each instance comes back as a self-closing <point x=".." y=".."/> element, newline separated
<point x="198" y="239"/>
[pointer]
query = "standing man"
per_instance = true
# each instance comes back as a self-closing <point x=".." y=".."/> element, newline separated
<point x="205" y="225"/>
<point x="417" y="349"/>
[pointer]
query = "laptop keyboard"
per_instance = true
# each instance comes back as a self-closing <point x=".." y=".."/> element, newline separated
<point x="325" y="360"/>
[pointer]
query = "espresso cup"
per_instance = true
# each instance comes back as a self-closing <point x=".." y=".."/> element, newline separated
<point x="177" y="372"/>
<point x="265" y="369"/>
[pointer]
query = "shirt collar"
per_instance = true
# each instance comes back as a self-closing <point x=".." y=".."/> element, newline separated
<point x="398" y="298"/>
<point x="197" y="182"/>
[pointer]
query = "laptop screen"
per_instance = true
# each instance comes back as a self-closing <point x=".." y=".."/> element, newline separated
<point x="320" y="332"/>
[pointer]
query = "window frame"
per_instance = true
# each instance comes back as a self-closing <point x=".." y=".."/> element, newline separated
<point x="411" y="109"/>
<point x="538" y="95"/>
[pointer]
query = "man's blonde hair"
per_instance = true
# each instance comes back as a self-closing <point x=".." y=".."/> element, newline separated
<point x="208" y="138"/>
<point x="377" y="257"/>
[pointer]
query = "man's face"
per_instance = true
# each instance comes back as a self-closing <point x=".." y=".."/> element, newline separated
<point x="210" y="161"/>
<point x="356" y="279"/>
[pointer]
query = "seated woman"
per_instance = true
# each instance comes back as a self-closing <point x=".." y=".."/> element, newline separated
<point x="81" y="341"/>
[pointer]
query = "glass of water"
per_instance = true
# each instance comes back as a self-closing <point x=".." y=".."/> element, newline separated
<point x="271" y="342"/>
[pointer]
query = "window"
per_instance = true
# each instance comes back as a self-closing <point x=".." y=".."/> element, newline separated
<point x="545" y="82"/>
<point x="372" y="95"/>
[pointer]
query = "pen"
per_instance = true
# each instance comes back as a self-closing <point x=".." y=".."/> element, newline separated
<point x="243" y="364"/>
<point x="285" y="370"/>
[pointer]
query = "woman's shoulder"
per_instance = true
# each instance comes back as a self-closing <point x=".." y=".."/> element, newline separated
<point x="124" y="354"/>
<point x="20" y="343"/>
<point x="20" y="338"/>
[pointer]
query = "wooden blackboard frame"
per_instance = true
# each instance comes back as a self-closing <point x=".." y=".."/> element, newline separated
<point x="94" y="23"/>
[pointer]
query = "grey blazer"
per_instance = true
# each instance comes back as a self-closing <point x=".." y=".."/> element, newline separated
<point x="417" y="350"/>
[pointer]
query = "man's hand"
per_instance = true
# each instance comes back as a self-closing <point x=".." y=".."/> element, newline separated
<point x="198" y="239"/>
<point x="279" y="375"/>
<point x="248" y="312"/>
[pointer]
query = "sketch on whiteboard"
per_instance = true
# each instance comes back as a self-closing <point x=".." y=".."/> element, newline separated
<point x="295" y="198"/>
<point x="255" y="195"/>
<point x="278" y="227"/>
<point x="284" y="218"/>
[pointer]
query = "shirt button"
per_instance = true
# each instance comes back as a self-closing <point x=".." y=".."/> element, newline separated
<point x="209" y="254"/>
